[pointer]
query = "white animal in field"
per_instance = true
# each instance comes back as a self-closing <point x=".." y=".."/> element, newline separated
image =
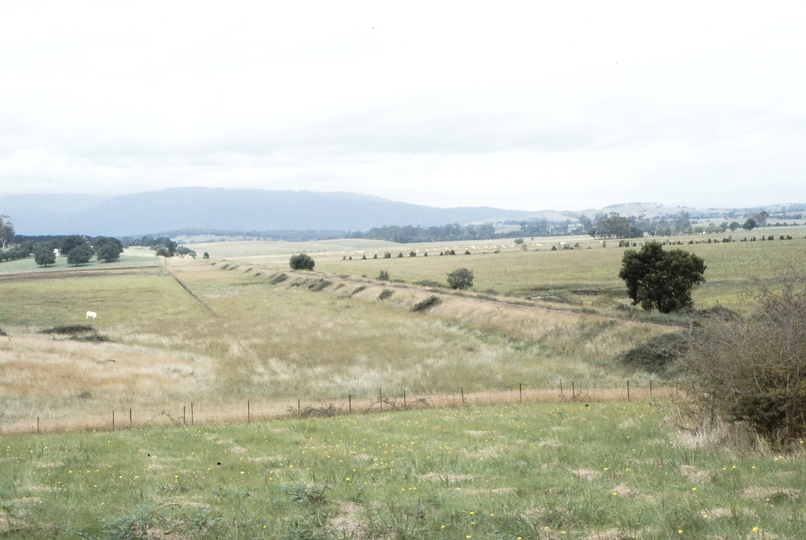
<point x="91" y="315"/>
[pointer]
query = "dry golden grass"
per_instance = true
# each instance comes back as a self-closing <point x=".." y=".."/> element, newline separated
<point x="273" y="344"/>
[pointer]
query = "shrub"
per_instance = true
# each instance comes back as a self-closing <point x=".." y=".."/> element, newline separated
<point x="412" y="254"/>
<point x="387" y="255"/>
<point x="383" y="275"/>
<point x="206" y="255"/>
<point x="754" y="370"/>
<point x="386" y="293"/>
<point x="461" y="278"/>
<point x="519" y="240"/>
<point x="301" y="262"/>
<point x="399" y="255"/>
<point x="426" y="304"/>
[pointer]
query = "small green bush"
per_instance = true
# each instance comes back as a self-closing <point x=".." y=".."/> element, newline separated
<point x="301" y="261"/>
<point x="461" y="278"/>
<point x="383" y="275"/>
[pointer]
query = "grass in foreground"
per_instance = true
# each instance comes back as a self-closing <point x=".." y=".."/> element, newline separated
<point x="536" y="471"/>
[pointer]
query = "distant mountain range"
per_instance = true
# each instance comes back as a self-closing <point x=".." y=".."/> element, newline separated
<point x="256" y="211"/>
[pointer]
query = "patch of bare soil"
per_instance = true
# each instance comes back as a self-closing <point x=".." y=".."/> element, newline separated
<point x="695" y="475"/>
<point x="347" y="524"/>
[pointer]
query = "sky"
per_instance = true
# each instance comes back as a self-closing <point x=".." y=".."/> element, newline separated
<point x="518" y="105"/>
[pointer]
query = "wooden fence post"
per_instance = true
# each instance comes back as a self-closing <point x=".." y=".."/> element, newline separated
<point x="380" y="398"/>
<point x="248" y="412"/>
<point x="462" y="391"/>
<point x="130" y="418"/>
<point x="349" y="403"/>
<point x="650" y="389"/>
<point x="562" y="398"/>
<point x="404" y="399"/>
<point x="113" y="420"/>
<point x="191" y="413"/>
<point x="37" y="425"/>
<point x="573" y="391"/>
<point x="184" y="415"/>
<point x="520" y="392"/>
<point x="628" y="391"/>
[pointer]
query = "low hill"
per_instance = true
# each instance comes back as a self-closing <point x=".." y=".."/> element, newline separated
<point x="231" y="210"/>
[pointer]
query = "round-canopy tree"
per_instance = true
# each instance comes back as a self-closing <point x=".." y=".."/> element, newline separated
<point x="108" y="252"/>
<point x="662" y="280"/>
<point x="81" y="254"/>
<point x="301" y="262"/>
<point x="44" y="255"/>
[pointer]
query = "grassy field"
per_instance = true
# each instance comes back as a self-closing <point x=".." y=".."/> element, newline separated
<point x="549" y="471"/>
<point x="733" y="267"/>
<point x="232" y="336"/>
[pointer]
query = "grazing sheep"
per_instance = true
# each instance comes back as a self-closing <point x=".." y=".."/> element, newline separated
<point x="91" y="315"/>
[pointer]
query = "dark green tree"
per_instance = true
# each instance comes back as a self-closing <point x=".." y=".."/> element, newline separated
<point x="68" y="243"/>
<point x="301" y="261"/>
<point x="44" y="255"/>
<point x="81" y="254"/>
<point x="461" y="278"/>
<point x="109" y="252"/>
<point x="750" y="224"/>
<point x="662" y="280"/>
<point x="102" y="241"/>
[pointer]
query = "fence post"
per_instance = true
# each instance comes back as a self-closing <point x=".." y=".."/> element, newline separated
<point x="650" y="389"/>
<point x="113" y="420"/>
<point x="520" y="392"/>
<point x="462" y="391"/>
<point x="562" y="398"/>
<point x="404" y="400"/>
<point x="191" y="413"/>
<point x="628" y="391"/>
<point x="573" y="392"/>
<point x="130" y="418"/>
<point x="380" y="398"/>
<point x="349" y="403"/>
<point x="37" y="425"/>
<point x="248" y="412"/>
<point x="184" y="415"/>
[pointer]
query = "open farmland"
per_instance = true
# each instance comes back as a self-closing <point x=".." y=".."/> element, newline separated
<point x="540" y="272"/>
<point x="190" y="347"/>
<point x="547" y="471"/>
<point x="247" y="337"/>
<point x="230" y="336"/>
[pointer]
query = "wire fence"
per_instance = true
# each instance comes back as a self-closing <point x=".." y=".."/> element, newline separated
<point x="249" y="411"/>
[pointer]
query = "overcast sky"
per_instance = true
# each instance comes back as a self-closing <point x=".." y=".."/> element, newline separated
<point x="527" y="105"/>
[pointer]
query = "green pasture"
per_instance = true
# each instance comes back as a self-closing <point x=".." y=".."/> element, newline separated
<point x="131" y="257"/>
<point x="549" y="471"/>
<point x="733" y="268"/>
